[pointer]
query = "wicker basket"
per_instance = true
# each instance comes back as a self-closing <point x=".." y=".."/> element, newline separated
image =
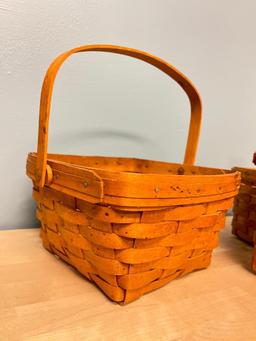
<point x="244" y="219"/>
<point x="254" y="254"/>
<point x="129" y="225"/>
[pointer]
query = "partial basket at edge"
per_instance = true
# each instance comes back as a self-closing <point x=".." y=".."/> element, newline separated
<point x="244" y="219"/>
<point x="129" y="225"/>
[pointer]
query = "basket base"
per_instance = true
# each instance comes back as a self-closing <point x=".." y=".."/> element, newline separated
<point x="198" y="262"/>
<point x="129" y="253"/>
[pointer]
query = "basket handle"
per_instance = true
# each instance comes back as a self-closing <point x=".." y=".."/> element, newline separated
<point x="47" y="89"/>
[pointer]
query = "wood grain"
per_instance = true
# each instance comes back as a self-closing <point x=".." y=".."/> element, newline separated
<point x="44" y="299"/>
<point x="167" y="68"/>
<point x="105" y="243"/>
<point x="72" y="191"/>
<point x="244" y="219"/>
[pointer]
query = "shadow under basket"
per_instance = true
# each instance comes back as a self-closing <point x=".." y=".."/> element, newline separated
<point x="129" y="225"/>
<point x="244" y="219"/>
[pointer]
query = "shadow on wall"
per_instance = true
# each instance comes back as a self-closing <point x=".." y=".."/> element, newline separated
<point x="30" y="205"/>
<point x="110" y="134"/>
<point x="107" y="142"/>
<point x="28" y="208"/>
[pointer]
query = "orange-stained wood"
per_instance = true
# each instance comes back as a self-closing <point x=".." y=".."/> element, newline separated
<point x="130" y="225"/>
<point x="137" y="188"/>
<point x="47" y="89"/>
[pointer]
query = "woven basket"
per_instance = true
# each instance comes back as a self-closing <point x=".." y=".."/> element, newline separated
<point x="129" y="225"/>
<point x="254" y="254"/>
<point x="244" y="218"/>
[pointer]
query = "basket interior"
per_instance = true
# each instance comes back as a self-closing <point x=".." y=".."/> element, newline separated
<point x="134" y="165"/>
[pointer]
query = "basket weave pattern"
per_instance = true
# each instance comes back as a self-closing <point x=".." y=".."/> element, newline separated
<point x="129" y="225"/>
<point x="244" y="218"/>
<point x="125" y="253"/>
<point x="254" y="254"/>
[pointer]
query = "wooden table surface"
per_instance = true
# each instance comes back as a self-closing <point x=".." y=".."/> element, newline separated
<point x="44" y="299"/>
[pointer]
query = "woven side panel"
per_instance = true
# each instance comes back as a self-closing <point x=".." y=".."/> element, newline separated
<point x="129" y="253"/>
<point x="254" y="253"/>
<point x="244" y="219"/>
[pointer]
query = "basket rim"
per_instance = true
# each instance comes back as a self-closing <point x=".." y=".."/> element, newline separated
<point x="129" y="189"/>
<point x="224" y="172"/>
<point x="243" y="169"/>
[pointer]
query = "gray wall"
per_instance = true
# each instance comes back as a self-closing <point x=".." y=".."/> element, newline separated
<point x="112" y="105"/>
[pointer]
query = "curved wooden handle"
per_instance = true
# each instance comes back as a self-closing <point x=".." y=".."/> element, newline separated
<point x="47" y="89"/>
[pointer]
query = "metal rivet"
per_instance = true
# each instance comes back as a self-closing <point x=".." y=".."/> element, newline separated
<point x="86" y="184"/>
<point x="157" y="189"/>
<point x="181" y="171"/>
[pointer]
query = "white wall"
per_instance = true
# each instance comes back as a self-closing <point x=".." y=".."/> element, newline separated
<point x="111" y="105"/>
